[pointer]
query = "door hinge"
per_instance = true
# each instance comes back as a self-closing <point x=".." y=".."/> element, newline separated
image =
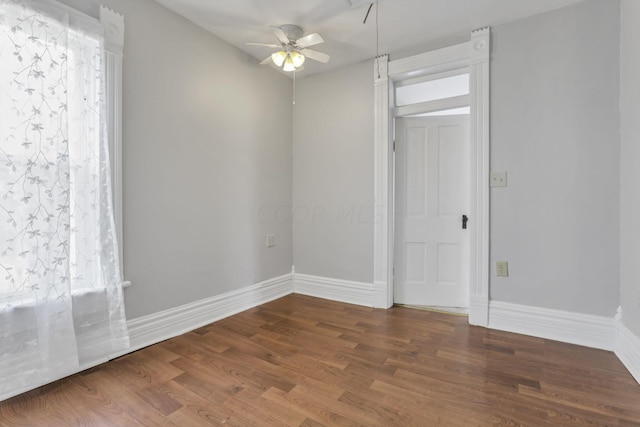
<point x="394" y="145"/>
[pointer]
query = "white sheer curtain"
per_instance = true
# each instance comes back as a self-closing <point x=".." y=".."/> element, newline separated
<point x="61" y="302"/>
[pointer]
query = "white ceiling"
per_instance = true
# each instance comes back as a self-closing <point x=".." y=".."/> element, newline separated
<point x="405" y="26"/>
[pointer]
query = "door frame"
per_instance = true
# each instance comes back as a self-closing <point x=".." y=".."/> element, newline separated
<point x="473" y="55"/>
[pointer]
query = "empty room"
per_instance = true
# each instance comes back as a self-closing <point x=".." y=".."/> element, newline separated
<point x="319" y="212"/>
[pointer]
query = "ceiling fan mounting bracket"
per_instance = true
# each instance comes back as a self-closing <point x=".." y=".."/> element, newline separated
<point x="293" y="32"/>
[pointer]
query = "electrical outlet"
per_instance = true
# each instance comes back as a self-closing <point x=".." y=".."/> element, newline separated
<point x="498" y="179"/>
<point x="270" y="240"/>
<point x="502" y="269"/>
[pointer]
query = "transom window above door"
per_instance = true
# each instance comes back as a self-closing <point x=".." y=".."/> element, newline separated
<point x="431" y="88"/>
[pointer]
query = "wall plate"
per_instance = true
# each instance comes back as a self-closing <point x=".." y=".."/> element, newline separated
<point x="498" y="179"/>
<point x="502" y="269"/>
<point x="270" y="240"/>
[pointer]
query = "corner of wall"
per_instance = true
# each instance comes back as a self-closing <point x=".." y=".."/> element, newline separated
<point x="347" y="291"/>
<point x="628" y="319"/>
<point x="628" y="349"/>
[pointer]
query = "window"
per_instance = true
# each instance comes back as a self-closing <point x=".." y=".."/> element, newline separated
<point x="432" y="90"/>
<point x="61" y="303"/>
<point x="77" y="97"/>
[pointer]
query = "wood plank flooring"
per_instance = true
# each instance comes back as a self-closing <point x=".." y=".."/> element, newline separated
<point x="302" y="361"/>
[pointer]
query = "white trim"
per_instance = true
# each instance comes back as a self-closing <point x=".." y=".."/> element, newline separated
<point x="588" y="330"/>
<point x="628" y="350"/>
<point x="431" y="106"/>
<point x="75" y="16"/>
<point x="15" y="393"/>
<point x="113" y="25"/>
<point x="431" y="77"/>
<point x="573" y="328"/>
<point x="383" y="187"/>
<point x="474" y="55"/>
<point x="479" y="79"/>
<point x="478" y="310"/>
<point x="358" y="293"/>
<point x="157" y="327"/>
<point x="113" y="29"/>
<point x="436" y="61"/>
<point x="148" y="330"/>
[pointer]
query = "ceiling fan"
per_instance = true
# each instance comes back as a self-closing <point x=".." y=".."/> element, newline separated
<point x="294" y="48"/>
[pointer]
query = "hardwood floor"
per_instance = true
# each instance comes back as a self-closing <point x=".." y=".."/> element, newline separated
<point x="302" y="361"/>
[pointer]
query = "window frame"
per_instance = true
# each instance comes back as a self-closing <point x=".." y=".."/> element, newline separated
<point x="464" y="72"/>
<point x="113" y="26"/>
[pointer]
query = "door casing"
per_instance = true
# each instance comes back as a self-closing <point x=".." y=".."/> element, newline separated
<point x="473" y="55"/>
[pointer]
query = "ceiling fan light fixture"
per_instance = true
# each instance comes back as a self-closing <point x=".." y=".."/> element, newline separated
<point x="288" y="64"/>
<point x="278" y="58"/>
<point x="293" y="50"/>
<point x="297" y="58"/>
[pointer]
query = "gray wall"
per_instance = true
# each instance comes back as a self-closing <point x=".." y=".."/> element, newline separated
<point x="630" y="170"/>
<point x="333" y="174"/>
<point x="207" y="129"/>
<point x="555" y="129"/>
<point x="206" y="146"/>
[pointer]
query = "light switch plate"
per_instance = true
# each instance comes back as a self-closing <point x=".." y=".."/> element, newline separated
<point x="498" y="179"/>
<point x="270" y="240"/>
<point x="502" y="269"/>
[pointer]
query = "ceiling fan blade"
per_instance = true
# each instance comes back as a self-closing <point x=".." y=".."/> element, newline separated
<point x="282" y="37"/>
<point x="264" y="44"/>
<point x="266" y="60"/>
<point x="315" y="55"/>
<point x="309" y="40"/>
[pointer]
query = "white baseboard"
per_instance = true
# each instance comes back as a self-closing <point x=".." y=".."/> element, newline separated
<point x="479" y="311"/>
<point x="628" y="350"/>
<point x="166" y="324"/>
<point x="574" y="328"/>
<point x="157" y="327"/>
<point x="348" y="291"/>
<point x="34" y="386"/>
<point x="382" y="297"/>
<point x="582" y="329"/>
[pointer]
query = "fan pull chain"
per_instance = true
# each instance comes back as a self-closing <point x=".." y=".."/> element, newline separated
<point x="294" y="87"/>
<point x="377" y="30"/>
<point x="367" y="15"/>
<point x="378" y="35"/>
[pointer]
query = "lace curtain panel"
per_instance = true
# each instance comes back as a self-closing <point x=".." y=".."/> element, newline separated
<point x="61" y="302"/>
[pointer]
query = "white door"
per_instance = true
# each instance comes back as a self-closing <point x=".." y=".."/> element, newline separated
<point x="432" y="194"/>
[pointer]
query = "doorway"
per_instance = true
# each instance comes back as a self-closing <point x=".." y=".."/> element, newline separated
<point x="431" y="212"/>
<point x="473" y="56"/>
